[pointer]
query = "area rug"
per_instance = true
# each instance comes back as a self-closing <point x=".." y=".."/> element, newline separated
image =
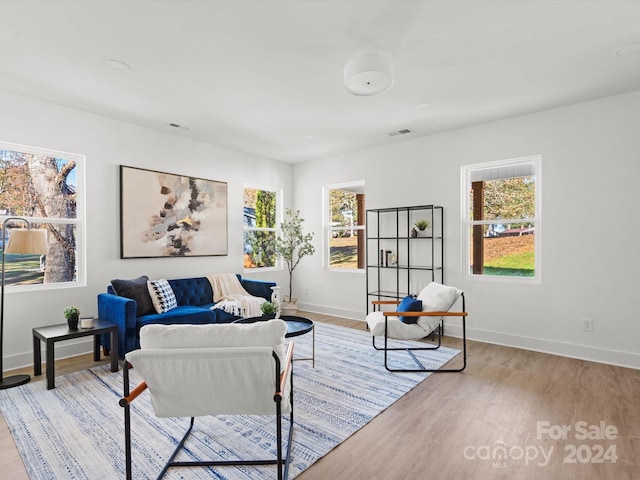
<point x="76" y="430"/>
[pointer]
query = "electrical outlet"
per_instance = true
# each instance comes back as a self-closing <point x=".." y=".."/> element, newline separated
<point x="587" y="325"/>
<point x="306" y="290"/>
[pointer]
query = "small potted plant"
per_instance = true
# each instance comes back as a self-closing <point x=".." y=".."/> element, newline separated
<point x="422" y="225"/>
<point x="268" y="310"/>
<point x="72" y="314"/>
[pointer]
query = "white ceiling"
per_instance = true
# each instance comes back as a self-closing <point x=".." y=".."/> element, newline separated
<point x="266" y="77"/>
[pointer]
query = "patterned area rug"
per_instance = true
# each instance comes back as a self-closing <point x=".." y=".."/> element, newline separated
<point x="77" y="430"/>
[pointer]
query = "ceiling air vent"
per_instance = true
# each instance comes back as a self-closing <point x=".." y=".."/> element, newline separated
<point x="404" y="131"/>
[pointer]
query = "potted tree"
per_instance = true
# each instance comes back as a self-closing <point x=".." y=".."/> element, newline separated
<point x="292" y="246"/>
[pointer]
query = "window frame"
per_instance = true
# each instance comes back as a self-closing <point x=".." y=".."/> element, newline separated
<point x="79" y="221"/>
<point x="328" y="227"/>
<point x="466" y="171"/>
<point x="279" y="218"/>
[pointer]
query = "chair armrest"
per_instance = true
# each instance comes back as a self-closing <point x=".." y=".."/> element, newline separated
<point x="287" y="369"/>
<point x="258" y="288"/>
<point x="385" y="302"/>
<point x="425" y="314"/>
<point x="122" y="312"/>
<point x="124" y="401"/>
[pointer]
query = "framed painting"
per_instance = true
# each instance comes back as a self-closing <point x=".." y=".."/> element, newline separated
<point x="168" y="215"/>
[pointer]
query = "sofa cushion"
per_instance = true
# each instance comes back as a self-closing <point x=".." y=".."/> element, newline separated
<point x="162" y="295"/>
<point x="135" y="289"/>
<point x="179" y="315"/>
<point x="192" y="291"/>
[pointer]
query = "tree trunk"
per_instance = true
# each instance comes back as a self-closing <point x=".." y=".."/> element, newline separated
<point x="56" y="199"/>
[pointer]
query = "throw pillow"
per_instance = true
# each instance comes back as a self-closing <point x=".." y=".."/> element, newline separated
<point x="137" y="290"/>
<point x="409" y="304"/>
<point x="162" y="295"/>
<point x="437" y="297"/>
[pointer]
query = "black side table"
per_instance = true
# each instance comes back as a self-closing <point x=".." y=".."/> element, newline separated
<point x="57" y="333"/>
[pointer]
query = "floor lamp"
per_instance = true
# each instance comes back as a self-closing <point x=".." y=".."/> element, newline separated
<point x="24" y="242"/>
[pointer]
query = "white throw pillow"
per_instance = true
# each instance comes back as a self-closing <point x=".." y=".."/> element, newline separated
<point x="162" y="295"/>
<point x="437" y="297"/>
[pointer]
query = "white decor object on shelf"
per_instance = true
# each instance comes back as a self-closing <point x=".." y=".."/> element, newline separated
<point x="86" y="322"/>
<point x="275" y="299"/>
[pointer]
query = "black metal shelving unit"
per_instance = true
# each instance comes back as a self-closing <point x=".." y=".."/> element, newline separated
<point x="399" y="263"/>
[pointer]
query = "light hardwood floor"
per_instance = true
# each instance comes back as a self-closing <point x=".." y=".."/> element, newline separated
<point x="452" y="425"/>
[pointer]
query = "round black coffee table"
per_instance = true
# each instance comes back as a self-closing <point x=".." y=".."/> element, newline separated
<point x="296" y="326"/>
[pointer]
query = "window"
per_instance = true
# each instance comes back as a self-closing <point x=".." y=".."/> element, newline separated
<point x="45" y="188"/>
<point x="501" y="218"/>
<point x="345" y="221"/>
<point x="261" y="213"/>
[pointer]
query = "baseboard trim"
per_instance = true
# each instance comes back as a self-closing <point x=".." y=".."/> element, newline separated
<point x="334" y="312"/>
<point x="70" y="348"/>
<point x="553" y="347"/>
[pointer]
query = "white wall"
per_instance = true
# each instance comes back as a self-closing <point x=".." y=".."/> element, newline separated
<point x="590" y="252"/>
<point x="591" y="171"/>
<point x="107" y="144"/>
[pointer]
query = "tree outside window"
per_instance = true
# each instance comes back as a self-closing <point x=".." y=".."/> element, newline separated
<point x="41" y="186"/>
<point x="345" y="230"/>
<point x="502" y="216"/>
<point x="260" y="219"/>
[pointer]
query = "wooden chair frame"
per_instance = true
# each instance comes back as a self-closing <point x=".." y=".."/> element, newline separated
<point x="281" y="462"/>
<point x="440" y="328"/>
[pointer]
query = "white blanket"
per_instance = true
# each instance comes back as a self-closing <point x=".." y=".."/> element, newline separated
<point x="232" y="297"/>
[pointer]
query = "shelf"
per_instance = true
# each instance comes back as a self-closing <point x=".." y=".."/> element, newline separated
<point x="405" y="238"/>
<point x="389" y="230"/>
<point x="393" y="295"/>
<point x="405" y="267"/>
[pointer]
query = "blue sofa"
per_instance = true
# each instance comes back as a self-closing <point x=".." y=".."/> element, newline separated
<point x="194" y="297"/>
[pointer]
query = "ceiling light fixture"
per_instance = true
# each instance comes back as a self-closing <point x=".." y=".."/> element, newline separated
<point x="368" y="75"/>
<point x="117" y="65"/>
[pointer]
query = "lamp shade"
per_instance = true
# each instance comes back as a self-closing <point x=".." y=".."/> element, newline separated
<point x="26" y="242"/>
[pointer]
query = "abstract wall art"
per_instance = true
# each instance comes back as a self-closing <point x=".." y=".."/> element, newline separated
<point x="168" y="215"/>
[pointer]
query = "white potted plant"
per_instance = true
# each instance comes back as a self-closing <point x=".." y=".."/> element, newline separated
<point x="292" y="246"/>
<point x="422" y="226"/>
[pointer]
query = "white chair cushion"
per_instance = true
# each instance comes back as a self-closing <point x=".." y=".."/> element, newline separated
<point x="194" y="370"/>
<point x="259" y="334"/>
<point x="395" y="328"/>
<point x="436" y="298"/>
<point x="185" y="382"/>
